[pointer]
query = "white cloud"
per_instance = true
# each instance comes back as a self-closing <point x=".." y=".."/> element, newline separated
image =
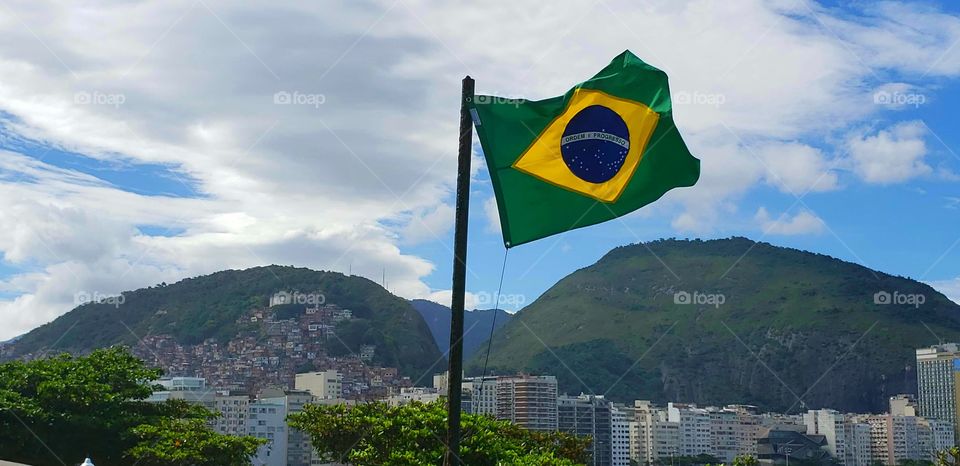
<point x="727" y="171"/>
<point x="492" y="215"/>
<point x="341" y="184"/>
<point x="796" y="168"/>
<point x="445" y="297"/>
<point x="902" y="36"/>
<point x="429" y="225"/>
<point x="803" y="223"/>
<point x="900" y="96"/>
<point x="950" y="288"/>
<point x="893" y="155"/>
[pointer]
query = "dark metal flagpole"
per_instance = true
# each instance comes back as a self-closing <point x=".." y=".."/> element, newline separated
<point x="455" y="356"/>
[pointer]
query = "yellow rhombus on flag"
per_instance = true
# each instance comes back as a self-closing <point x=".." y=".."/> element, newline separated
<point x="602" y="150"/>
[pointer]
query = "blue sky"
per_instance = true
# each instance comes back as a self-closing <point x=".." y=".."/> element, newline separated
<point x="181" y="138"/>
<point x="908" y="229"/>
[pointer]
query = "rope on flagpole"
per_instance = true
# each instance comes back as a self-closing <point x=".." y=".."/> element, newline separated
<point x="493" y="324"/>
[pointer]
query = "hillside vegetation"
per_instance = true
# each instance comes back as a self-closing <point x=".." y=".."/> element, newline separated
<point x="209" y="306"/>
<point x="794" y="329"/>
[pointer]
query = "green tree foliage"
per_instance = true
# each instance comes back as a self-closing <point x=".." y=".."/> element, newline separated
<point x="56" y="410"/>
<point x="745" y="460"/>
<point x="64" y="407"/>
<point x="189" y="442"/>
<point x="949" y="457"/>
<point x="377" y="434"/>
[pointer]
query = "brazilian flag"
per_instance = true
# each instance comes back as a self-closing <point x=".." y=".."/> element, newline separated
<point x="602" y="150"/>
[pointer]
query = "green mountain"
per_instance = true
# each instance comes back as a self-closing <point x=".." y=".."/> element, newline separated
<point x="794" y="329"/>
<point x="209" y="306"/>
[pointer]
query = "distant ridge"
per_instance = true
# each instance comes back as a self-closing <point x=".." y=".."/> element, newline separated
<point x="476" y="325"/>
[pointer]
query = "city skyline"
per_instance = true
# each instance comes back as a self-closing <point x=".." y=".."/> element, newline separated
<point x="640" y="431"/>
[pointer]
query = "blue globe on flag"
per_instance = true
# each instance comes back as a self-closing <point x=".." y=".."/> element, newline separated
<point x="595" y="144"/>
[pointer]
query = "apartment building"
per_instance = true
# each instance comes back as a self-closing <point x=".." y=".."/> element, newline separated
<point x="830" y="424"/>
<point x="418" y="394"/>
<point x="652" y="434"/>
<point x="480" y="395"/>
<point x="233" y="410"/>
<point x="619" y="437"/>
<point x="325" y="385"/>
<point x="693" y="428"/>
<point x="938" y="369"/>
<point x="528" y="401"/>
<point x="594" y="416"/>
<point x="266" y="419"/>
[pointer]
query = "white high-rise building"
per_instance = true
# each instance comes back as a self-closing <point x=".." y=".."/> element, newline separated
<point x="232" y="408"/>
<point x="694" y="428"/>
<point x="734" y="431"/>
<point x="933" y="436"/>
<point x="828" y="423"/>
<point x="266" y="419"/>
<point x="482" y="394"/>
<point x="233" y="411"/>
<point x="857" y="443"/>
<point x="848" y="438"/>
<point x="652" y="435"/>
<point x="723" y="434"/>
<point x="904" y="443"/>
<point x="295" y="444"/>
<point x="325" y="385"/>
<point x="938" y="368"/>
<point x="620" y="437"/>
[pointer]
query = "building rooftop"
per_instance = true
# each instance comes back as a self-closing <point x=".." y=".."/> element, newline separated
<point x="934" y="351"/>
